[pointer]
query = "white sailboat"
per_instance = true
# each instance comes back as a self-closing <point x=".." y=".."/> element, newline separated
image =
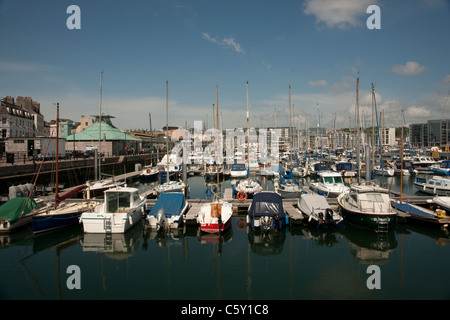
<point x="215" y="216"/>
<point x="168" y="185"/>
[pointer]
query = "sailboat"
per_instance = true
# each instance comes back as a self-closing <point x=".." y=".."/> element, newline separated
<point x="97" y="188"/>
<point x="288" y="186"/>
<point x="169" y="185"/>
<point x="149" y="173"/>
<point x="215" y="216"/>
<point x="61" y="214"/>
<point x="366" y="206"/>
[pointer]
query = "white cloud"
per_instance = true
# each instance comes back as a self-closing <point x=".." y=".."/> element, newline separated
<point x="338" y="13"/>
<point x="409" y="69"/>
<point x="22" y="66"/>
<point x="230" y="42"/>
<point x="446" y="80"/>
<point x="318" y="83"/>
<point x="417" y="112"/>
<point x="225" y="42"/>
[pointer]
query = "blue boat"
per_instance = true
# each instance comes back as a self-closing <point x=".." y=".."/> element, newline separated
<point x="66" y="214"/>
<point x="266" y="211"/>
<point x="168" y="211"/>
<point x="443" y="169"/>
<point x="421" y="214"/>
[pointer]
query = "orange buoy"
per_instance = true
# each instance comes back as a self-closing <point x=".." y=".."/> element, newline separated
<point x="241" y="196"/>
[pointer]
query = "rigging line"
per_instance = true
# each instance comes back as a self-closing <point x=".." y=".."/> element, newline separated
<point x="37" y="175"/>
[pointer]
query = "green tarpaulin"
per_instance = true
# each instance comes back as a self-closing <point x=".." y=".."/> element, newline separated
<point x="16" y="207"/>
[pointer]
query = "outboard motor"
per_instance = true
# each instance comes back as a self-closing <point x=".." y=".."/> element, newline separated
<point x="160" y="219"/>
<point x="320" y="215"/>
<point x="266" y="222"/>
<point x="329" y="216"/>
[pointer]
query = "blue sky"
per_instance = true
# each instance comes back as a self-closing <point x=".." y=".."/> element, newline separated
<point x="318" y="47"/>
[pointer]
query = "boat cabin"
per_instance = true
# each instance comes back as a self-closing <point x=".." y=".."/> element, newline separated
<point x="120" y="201"/>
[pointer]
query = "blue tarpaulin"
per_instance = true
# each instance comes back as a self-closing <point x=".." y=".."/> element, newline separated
<point x="171" y="202"/>
<point x="266" y="204"/>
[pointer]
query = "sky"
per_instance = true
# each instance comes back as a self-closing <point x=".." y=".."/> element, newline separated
<point x="317" y="48"/>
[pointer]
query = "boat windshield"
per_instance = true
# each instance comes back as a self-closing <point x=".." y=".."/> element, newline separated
<point x="332" y="180"/>
<point x="267" y="208"/>
<point x="117" y="202"/>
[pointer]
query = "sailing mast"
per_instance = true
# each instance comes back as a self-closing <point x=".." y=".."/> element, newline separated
<point x="358" y="135"/>
<point x="373" y="131"/>
<point x="167" y="130"/>
<point x="217" y="137"/>
<point x="57" y="151"/>
<point x="151" y="139"/>
<point x="100" y="131"/>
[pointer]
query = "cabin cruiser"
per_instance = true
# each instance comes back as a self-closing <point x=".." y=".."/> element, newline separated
<point x="437" y="185"/>
<point x="329" y="184"/>
<point x="121" y="209"/>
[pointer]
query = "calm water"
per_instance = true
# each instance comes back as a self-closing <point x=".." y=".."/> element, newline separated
<point x="298" y="263"/>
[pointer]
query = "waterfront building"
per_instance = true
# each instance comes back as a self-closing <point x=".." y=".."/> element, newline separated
<point x="433" y="133"/>
<point x="105" y="137"/>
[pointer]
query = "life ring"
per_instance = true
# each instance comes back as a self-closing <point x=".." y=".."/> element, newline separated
<point x="241" y="196"/>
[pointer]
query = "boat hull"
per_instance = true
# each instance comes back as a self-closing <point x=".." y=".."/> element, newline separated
<point x="44" y="222"/>
<point x="10" y="226"/>
<point x="215" y="227"/>
<point x="95" y="222"/>
<point x="371" y="221"/>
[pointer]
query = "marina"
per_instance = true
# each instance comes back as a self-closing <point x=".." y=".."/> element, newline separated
<point x="238" y="263"/>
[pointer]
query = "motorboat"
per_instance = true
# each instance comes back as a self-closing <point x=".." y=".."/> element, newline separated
<point x="368" y="207"/>
<point x="289" y="188"/>
<point x="437" y="185"/>
<point x="443" y="202"/>
<point x="247" y="187"/>
<point x="441" y="168"/>
<point x="168" y="211"/>
<point x="170" y="186"/>
<point x="345" y="168"/>
<point x="386" y="170"/>
<point x="266" y="212"/>
<point x="298" y="171"/>
<point x="329" y="184"/>
<point x="422" y="162"/>
<point x="121" y="209"/>
<point x="317" y="211"/>
<point x="148" y="173"/>
<point x="215" y="216"/>
<point x="238" y="170"/>
<point x="271" y="170"/>
<point x="406" y="169"/>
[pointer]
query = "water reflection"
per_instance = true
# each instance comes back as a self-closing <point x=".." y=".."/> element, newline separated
<point x="236" y="264"/>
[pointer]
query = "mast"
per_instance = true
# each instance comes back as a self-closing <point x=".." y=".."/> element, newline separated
<point x="373" y="131"/>
<point x="290" y="123"/>
<point x="217" y="138"/>
<point x="358" y="135"/>
<point x="151" y="139"/>
<point x="57" y="151"/>
<point x="167" y="129"/>
<point x="100" y="130"/>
